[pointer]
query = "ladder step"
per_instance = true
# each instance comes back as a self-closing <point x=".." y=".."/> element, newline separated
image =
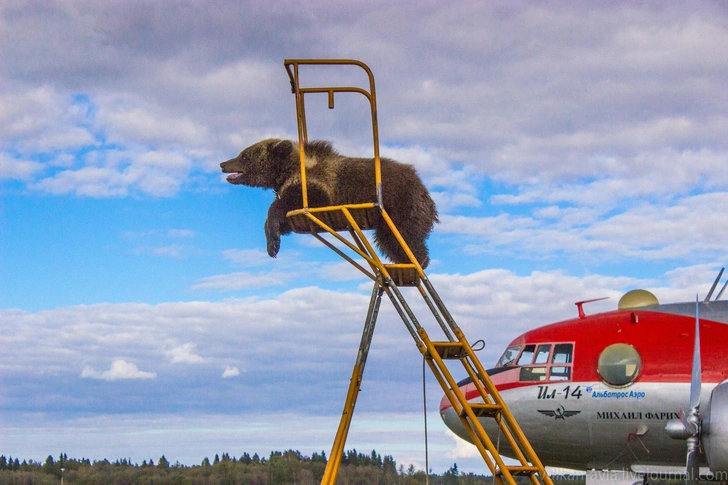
<point x="450" y="350"/>
<point x="482" y="410"/>
<point x="522" y="471"/>
<point x="403" y="274"/>
<point x="366" y="218"/>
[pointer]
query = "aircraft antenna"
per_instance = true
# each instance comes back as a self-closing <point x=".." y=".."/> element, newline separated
<point x="721" y="291"/>
<point x="712" y="288"/>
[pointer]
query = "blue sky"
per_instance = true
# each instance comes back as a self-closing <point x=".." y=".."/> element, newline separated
<point x="575" y="150"/>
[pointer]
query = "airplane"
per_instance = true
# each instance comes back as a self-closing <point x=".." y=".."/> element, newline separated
<point x="620" y="391"/>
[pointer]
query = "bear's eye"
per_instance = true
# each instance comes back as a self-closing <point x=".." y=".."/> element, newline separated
<point x="245" y="158"/>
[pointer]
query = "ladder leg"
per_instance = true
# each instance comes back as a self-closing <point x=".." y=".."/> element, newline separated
<point x="440" y="305"/>
<point x="434" y="310"/>
<point x="337" y="449"/>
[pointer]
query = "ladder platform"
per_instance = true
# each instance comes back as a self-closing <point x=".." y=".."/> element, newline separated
<point x="482" y="410"/>
<point x="366" y="216"/>
<point x="450" y="350"/>
<point x="403" y="274"/>
<point x="519" y="471"/>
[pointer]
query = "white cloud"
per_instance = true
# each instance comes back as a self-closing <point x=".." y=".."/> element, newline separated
<point x="120" y="369"/>
<point x="230" y="372"/>
<point x="247" y="257"/>
<point x="288" y="266"/>
<point x="691" y="226"/>
<point x="446" y="202"/>
<point x="435" y="168"/>
<point x="173" y="251"/>
<point x="161" y="243"/>
<point x="341" y="271"/>
<point x="656" y="174"/>
<point x="11" y="168"/>
<point x="462" y="449"/>
<point x="184" y="354"/>
<point x="135" y="120"/>
<point x="499" y="295"/>
<point x="41" y="120"/>
<point x="181" y="233"/>
<point x="120" y="173"/>
<point x="601" y="106"/>
<point x="240" y="280"/>
<point x="274" y="338"/>
<point x="88" y="181"/>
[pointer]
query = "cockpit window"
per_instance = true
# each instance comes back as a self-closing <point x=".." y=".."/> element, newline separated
<point x="542" y="354"/>
<point x="560" y="373"/>
<point x="562" y="354"/>
<point x="531" y="373"/>
<point x="546" y="362"/>
<point x="527" y="355"/>
<point x="509" y="356"/>
<point x="540" y="362"/>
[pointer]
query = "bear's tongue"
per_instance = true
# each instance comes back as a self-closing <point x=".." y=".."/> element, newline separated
<point x="233" y="177"/>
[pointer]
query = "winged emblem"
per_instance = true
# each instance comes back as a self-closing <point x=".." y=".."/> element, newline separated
<point x="558" y="413"/>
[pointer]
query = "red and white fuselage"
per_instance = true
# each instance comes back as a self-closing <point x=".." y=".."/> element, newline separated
<point x="596" y="392"/>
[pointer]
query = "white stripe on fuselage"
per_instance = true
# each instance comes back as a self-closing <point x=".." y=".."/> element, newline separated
<point x="591" y="425"/>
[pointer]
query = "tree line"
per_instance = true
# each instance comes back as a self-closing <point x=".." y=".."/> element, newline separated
<point x="280" y="468"/>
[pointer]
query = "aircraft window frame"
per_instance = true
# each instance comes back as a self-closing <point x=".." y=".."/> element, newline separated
<point x="513" y="351"/>
<point x="533" y="373"/>
<point x="619" y="365"/>
<point x="560" y="375"/>
<point x="549" y="370"/>
<point x="569" y="354"/>
<point x="527" y="349"/>
<point x="541" y="357"/>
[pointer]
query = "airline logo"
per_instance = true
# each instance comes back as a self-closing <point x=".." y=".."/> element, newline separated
<point x="558" y="413"/>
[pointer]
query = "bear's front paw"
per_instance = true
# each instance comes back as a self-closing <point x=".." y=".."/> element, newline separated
<point x="274" y="245"/>
<point x="272" y="236"/>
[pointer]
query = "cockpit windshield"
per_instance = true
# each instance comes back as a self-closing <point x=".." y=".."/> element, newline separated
<point x="509" y="356"/>
<point x="540" y="362"/>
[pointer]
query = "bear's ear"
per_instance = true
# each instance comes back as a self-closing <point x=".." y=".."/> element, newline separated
<point x="280" y="148"/>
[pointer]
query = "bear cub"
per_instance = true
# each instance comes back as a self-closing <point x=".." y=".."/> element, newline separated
<point x="334" y="179"/>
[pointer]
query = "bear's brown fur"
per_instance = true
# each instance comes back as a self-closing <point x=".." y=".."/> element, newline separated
<point x="333" y="179"/>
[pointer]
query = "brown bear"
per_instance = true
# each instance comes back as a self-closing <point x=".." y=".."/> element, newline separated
<point x="333" y="179"/>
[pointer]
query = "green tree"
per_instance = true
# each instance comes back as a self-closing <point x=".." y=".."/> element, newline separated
<point x="451" y="477"/>
<point x="284" y="468"/>
<point x="49" y="466"/>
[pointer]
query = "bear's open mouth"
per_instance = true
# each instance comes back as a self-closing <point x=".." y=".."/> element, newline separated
<point x="233" y="177"/>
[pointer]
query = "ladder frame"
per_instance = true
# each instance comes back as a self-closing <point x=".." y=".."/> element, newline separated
<point x="387" y="278"/>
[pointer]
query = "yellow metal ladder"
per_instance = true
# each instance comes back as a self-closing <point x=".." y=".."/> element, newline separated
<point x="388" y="278"/>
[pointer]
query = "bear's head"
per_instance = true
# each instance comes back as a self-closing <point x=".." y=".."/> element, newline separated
<point x="266" y="164"/>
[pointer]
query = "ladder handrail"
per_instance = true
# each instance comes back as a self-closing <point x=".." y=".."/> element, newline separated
<point x="292" y="67"/>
